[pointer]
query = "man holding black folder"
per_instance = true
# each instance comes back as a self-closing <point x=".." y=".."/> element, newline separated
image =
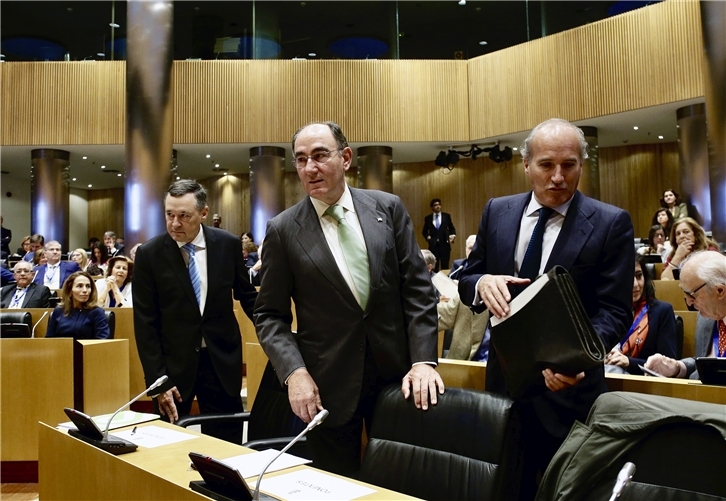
<point x="523" y="236"/>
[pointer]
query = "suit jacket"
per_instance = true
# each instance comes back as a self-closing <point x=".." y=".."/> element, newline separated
<point x="118" y="250"/>
<point x="6" y="236"/>
<point x="168" y="325"/>
<point x="661" y="336"/>
<point x="38" y="296"/>
<point x="595" y="245"/>
<point x="80" y="324"/>
<point x="399" y="323"/>
<point x="439" y="237"/>
<point x="704" y="341"/>
<point x="469" y="328"/>
<point x="66" y="268"/>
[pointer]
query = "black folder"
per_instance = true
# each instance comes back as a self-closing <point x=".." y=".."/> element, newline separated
<point x="547" y="327"/>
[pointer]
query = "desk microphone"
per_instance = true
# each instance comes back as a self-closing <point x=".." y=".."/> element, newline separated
<point x="155" y="385"/>
<point x="624" y="477"/>
<point x="457" y="270"/>
<point x="319" y="418"/>
<point x="32" y="334"/>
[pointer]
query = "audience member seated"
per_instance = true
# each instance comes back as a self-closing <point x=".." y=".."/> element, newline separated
<point x="99" y="260"/>
<point x="664" y="218"/>
<point x="37" y="242"/>
<point x="653" y="330"/>
<point x="112" y="246"/>
<point x="703" y="281"/>
<point x="6" y="276"/>
<point x="79" y="316"/>
<point x="249" y="253"/>
<point x="246" y="237"/>
<point x="460" y="264"/>
<point x="39" y="258"/>
<point x="255" y="270"/>
<point x="687" y="237"/>
<point x="24" y="246"/>
<point x="24" y="293"/>
<point x="81" y="257"/>
<point x="55" y="272"/>
<point x="656" y="242"/>
<point x="91" y="242"/>
<point x="132" y="252"/>
<point x="115" y="289"/>
<point x="672" y="201"/>
<point x="430" y="260"/>
<point x="468" y="328"/>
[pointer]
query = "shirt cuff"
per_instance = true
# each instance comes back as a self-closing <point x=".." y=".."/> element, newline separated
<point x="293" y="372"/>
<point x="432" y="364"/>
<point x="477" y="298"/>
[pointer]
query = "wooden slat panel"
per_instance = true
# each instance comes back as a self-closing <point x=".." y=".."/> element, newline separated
<point x="647" y="57"/>
<point x="105" y="212"/>
<point x="53" y="103"/>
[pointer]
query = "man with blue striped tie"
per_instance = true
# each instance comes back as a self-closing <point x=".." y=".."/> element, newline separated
<point x="184" y="282"/>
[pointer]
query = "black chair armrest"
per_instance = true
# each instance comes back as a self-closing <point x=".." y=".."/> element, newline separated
<point x="278" y="443"/>
<point x="213" y="418"/>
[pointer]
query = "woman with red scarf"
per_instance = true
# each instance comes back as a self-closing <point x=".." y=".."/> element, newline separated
<point x="653" y="329"/>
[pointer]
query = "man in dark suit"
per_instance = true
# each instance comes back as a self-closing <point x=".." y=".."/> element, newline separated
<point x="184" y="282"/>
<point x="361" y="323"/>
<point x="114" y="248"/>
<point x="592" y="240"/>
<point x="703" y="280"/>
<point x="7" y="236"/>
<point x="55" y="272"/>
<point x="24" y="293"/>
<point x="440" y="233"/>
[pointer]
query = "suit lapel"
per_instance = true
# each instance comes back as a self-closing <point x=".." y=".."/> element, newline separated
<point x="508" y="232"/>
<point x="312" y="242"/>
<point x="371" y="222"/>
<point x="576" y="230"/>
<point x="30" y="294"/>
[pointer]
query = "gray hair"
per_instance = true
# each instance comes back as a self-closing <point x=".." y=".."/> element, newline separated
<point x="109" y="234"/>
<point x="526" y="148"/>
<point x="183" y="186"/>
<point x="47" y="244"/>
<point x="710" y="267"/>
<point x="429" y="257"/>
<point x="335" y="129"/>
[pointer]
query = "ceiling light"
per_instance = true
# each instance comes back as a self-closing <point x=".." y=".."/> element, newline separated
<point x="114" y="25"/>
<point x="225" y="173"/>
<point x="103" y="166"/>
<point x="312" y="54"/>
<point x="216" y="165"/>
<point x="515" y="149"/>
<point x="635" y="128"/>
<point x="100" y="54"/>
<point x="462" y="2"/>
<point x="118" y="175"/>
<point x="178" y="178"/>
<point x="209" y="156"/>
<point x="660" y="137"/>
<point x="483" y="42"/>
<point x="74" y="178"/>
<point x="85" y="158"/>
<point x="90" y="186"/>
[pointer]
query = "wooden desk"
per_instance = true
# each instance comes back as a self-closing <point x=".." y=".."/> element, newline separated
<point x="72" y="469"/>
<point x="667" y="387"/>
<point x="42" y="376"/>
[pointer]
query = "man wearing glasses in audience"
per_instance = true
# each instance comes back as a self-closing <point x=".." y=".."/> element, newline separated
<point x="703" y="281"/>
<point x="55" y="272"/>
<point x="24" y="293"/>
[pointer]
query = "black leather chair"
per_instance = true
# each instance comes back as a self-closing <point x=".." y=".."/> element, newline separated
<point x="15" y="324"/>
<point x="465" y="447"/>
<point x="111" y="318"/>
<point x="271" y="423"/>
<point x="679" y="337"/>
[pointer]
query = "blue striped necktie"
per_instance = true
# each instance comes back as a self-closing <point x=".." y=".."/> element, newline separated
<point x="194" y="272"/>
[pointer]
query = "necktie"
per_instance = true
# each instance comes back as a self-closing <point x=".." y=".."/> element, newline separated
<point x="437" y="222"/>
<point x="533" y="256"/>
<point x="18" y="297"/>
<point x="194" y="272"/>
<point x="721" y="339"/>
<point x="354" y="253"/>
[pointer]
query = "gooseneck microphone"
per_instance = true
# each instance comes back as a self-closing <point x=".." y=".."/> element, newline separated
<point x="155" y="385"/>
<point x="624" y="477"/>
<point x="32" y="334"/>
<point x="319" y="418"/>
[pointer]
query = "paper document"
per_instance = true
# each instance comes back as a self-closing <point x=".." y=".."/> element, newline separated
<point x="250" y="465"/>
<point x="153" y="436"/>
<point x="521" y="301"/>
<point x="310" y="485"/>
<point x="445" y="285"/>
<point x="122" y="419"/>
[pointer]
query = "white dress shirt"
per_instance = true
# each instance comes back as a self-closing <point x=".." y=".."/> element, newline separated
<point x="52" y="276"/>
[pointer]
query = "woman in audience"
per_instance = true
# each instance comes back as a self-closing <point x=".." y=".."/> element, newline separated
<point x="80" y="257"/>
<point x="656" y="242"/>
<point x="39" y="258"/>
<point x="653" y="329"/>
<point x="246" y="237"/>
<point x="115" y="289"/>
<point x="672" y="201"/>
<point x="24" y="246"/>
<point x="687" y="237"/>
<point x="99" y="260"/>
<point x="78" y="316"/>
<point x="664" y="218"/>
<point x="249" y="253"/>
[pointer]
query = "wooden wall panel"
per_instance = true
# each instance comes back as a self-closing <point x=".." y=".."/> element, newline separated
<point x="229" y="196"/>
<point x="266" y="101"/>
<point x="105" y="212"/>
<point x="647" y="57"/>
<point x="634" y="177"/>
<point x="52" y="103"/>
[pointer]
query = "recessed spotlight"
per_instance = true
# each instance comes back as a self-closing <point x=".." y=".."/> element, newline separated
<point x="85" y="158"/>
<point x="74" y="178"/>
<point x="216" y="165"/>
<point x="462" y="2"/>
<point x="100" y="54"/>
<point x="483" y="42"/>
<point x="635" y="127"/>
<point x="90" y="186"/>
<point x="515" y="149"/>
<point x="660" y="137"/>
<point x="225" y="173"/>
<point x="118" y="175"/>
<point x="178" y="178"/>
<point x="103" y="166"/>
<point x="312" y="54"/>
<point x="114" y="25"/>
<point x="209" y="156"/>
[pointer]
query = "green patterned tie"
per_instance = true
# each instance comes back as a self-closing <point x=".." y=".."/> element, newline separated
<point x="354" y="253"/>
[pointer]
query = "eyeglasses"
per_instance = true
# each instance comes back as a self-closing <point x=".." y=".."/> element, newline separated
<point x="22" y="272"/>
<point x="692" y="295"/>
<point x="319" y="157"/>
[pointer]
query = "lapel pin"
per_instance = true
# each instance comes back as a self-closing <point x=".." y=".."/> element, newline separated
<point x="380" y="220"/>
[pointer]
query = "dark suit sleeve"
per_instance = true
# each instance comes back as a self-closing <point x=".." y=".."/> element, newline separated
<point x="428" y="225"/>
<point x="451" y="229"/>
<point x="100" y="324"/>
<point x="147" y="328"/>
<point x="55" y="317"/>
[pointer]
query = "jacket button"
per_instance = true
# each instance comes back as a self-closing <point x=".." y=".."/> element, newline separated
<point x="197" y="349"/>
